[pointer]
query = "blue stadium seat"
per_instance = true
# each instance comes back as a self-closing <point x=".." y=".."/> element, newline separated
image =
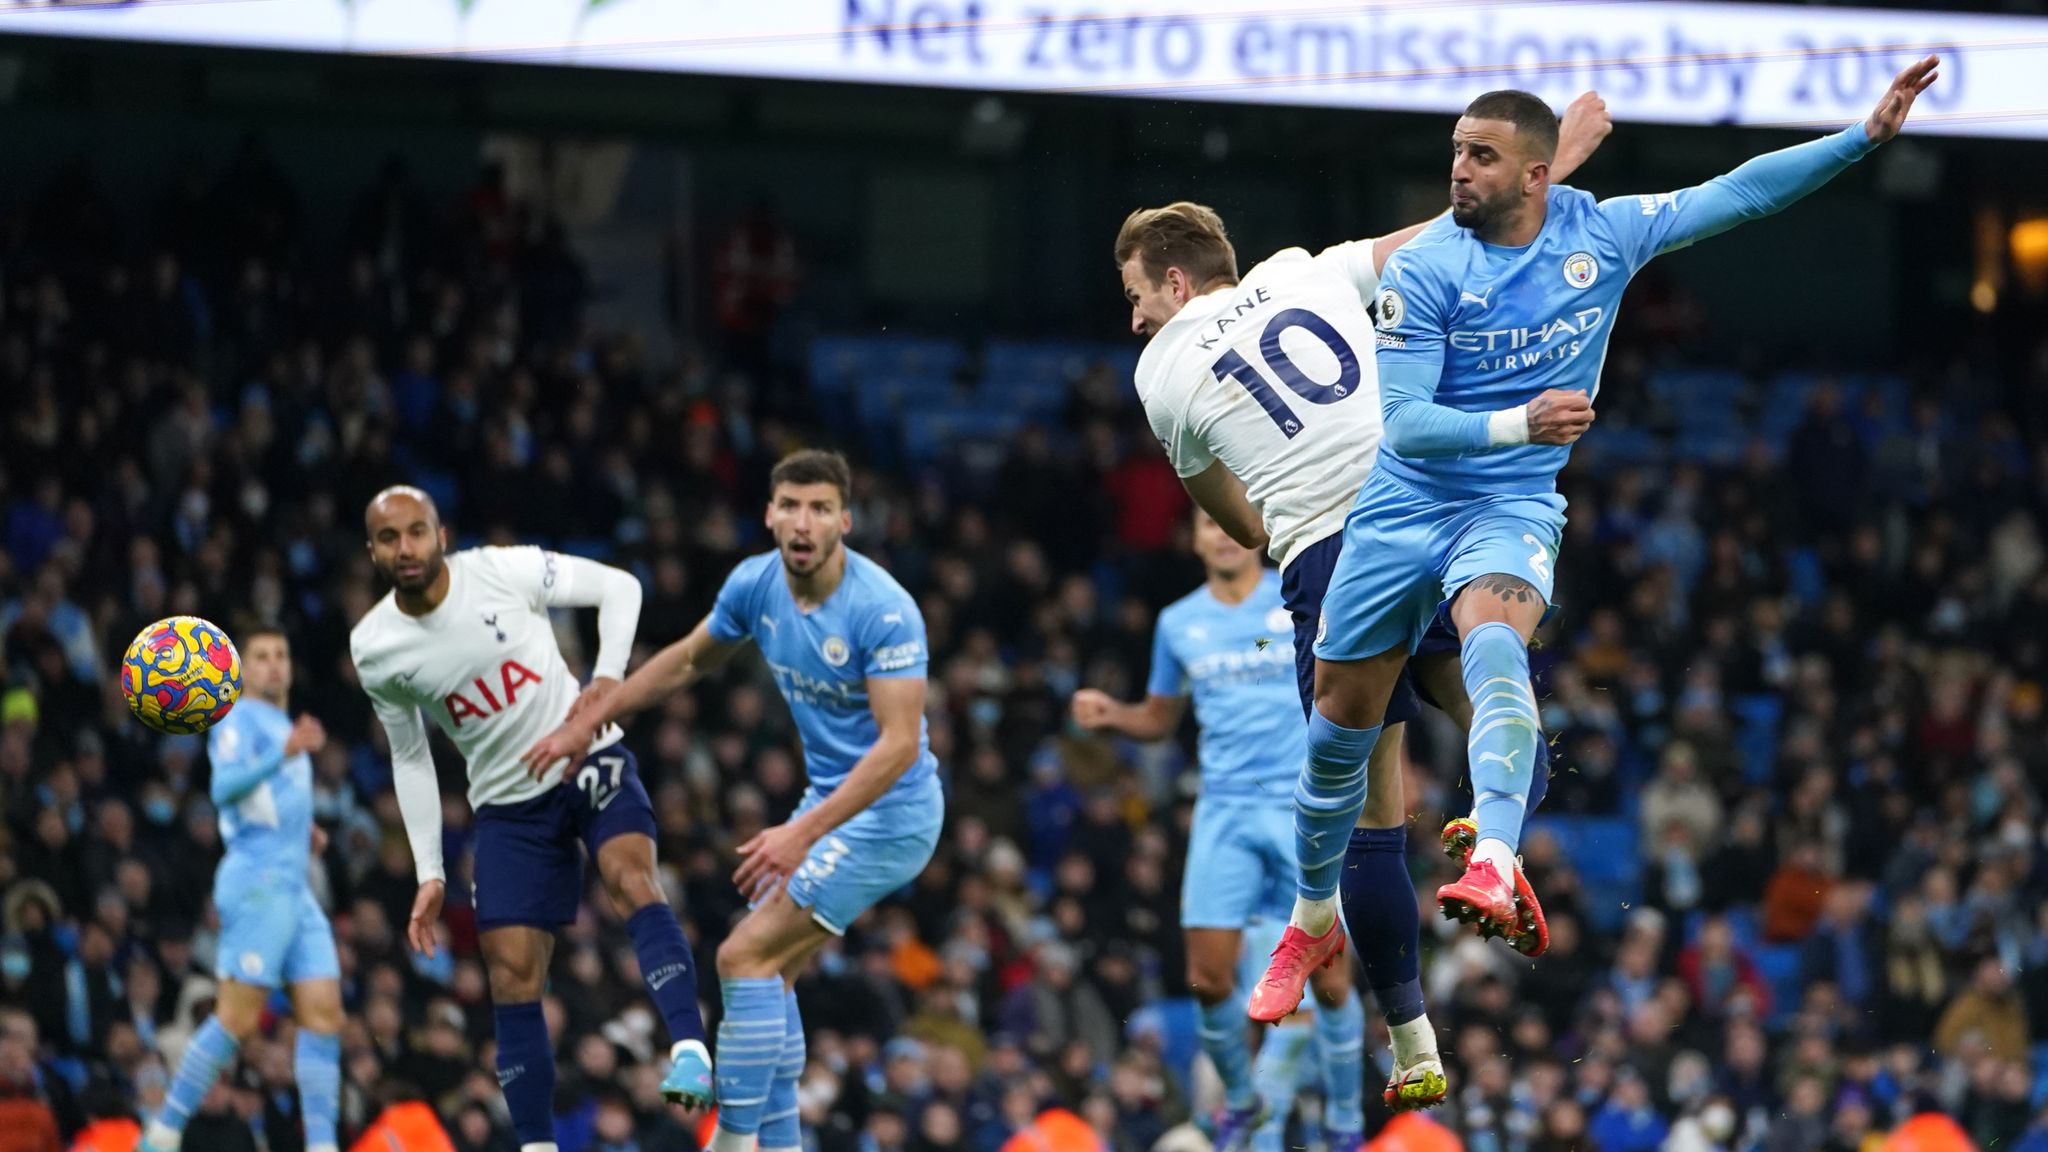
<point x="1780" y="966"/>
<point x="1603" y="850"/>
<point x="1759" y="715"/>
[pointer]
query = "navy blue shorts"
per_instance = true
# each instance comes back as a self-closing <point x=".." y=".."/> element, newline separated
<point x="529" y="861"/>
<point x="1302" y="587"/>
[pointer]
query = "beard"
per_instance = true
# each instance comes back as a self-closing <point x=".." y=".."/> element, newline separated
<point x="430" y="571"/>
<point x="1482" y="211"/>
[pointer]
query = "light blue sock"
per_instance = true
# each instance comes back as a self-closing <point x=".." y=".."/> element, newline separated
<point x="1327" y="800"/>
<point x="1281" y="1060"/>
<point x="750" y="1043"/>
<point x="1340" y="1045"/>
<point x="782" y="1127"/>
<point x="1505" y="730"/>
<point x="317" y="1064"/>
<point x="210" y="1051"/>
<point x="1224" y="1039"/>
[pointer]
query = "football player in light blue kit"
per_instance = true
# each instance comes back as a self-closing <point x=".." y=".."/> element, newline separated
<point x="272" y="932"/>
<point x="1492" y="328"/>
<point x="846" y="645"/>
<point x="1230" y="645"/>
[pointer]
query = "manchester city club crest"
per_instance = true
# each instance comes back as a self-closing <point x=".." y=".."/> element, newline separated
<point x="1580" y="269"/>
<point x="835" y="651"/>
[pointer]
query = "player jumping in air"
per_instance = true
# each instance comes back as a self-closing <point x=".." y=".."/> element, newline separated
<point x="272" y="931"/>
<point x="467" y="639"/>
<point x="1493" y="326"/>
<point x="1230" y="644"/>
<point x="1265" y="394"/>
<point x="846" y="645"/>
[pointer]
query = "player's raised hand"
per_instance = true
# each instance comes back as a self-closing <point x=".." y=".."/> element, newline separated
<point x="1897" y="101"/>
<point x="1586" y="124"/>
<point x="1559" y="417"/>
<point x="1092" y="707"/>
<point x="563" y="745"/>
<point x="426" y="912"/>
<point x="307" y="736"/>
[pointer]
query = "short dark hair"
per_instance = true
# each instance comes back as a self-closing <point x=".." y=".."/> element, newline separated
<point x="1181" y="235"/>
<point x="1532" y="118"/>
<point x="261" y="630"/>
<point x="814" y="466"/>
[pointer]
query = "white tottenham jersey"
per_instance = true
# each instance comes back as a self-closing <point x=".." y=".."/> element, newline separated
<point x="484" y="665"/>
<point x="1274" y="377"/>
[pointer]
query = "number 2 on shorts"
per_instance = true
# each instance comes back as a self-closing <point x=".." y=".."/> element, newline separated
<point x="1539" y="560"/>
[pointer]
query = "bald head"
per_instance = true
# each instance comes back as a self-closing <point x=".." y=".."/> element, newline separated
<point x="407" y="541"/>
<point x="403" y="501"/>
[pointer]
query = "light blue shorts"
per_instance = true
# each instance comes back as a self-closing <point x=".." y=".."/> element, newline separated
<point x="272" y="931"/>
<point x="1240" y="862"/>
<point x="858" y="864"/>
<point x="1407" y="554"/>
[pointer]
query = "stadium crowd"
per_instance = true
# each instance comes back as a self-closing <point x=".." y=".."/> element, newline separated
<point x="1808" y="681"/>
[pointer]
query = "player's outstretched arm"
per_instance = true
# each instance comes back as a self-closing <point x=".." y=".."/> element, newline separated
<point x="1763" y="185"/>
<point x="1222" y="495"/>
<point x="672" y="669"/>
<point x="898" y="707"/>
<point x="1155" y="719"/>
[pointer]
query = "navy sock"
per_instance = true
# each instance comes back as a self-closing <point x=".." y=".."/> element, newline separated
<point x="526" y="1070"/>
<point x="1386" y="926"/>
<point x="668" y="970"/>
<point x="1539" y="779"/>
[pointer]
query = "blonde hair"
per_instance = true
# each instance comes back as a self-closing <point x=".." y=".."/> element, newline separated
<point x="1182" y="235"/>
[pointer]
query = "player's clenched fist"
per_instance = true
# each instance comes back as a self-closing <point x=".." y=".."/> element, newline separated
<point x="1559" y="417"/>
<point x="1092" y="707"/>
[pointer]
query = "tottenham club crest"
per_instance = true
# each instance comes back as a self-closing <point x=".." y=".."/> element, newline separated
<point x="835" y="651"/>
<point x="1580" y="270"/>
<point x="1392" y="309"/>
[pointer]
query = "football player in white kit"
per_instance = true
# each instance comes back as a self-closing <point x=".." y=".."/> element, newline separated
<point x="467" y="639"/>
<point x="1264" y="393"/>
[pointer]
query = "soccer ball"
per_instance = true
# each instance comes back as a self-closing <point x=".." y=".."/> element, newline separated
<point x="181" y="675"/>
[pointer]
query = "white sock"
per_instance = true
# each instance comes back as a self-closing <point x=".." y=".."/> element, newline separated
<point x="163" y="1138"/>
<point x="1496" y="852"/>
<point x="1414" y="1042"/>
<point x="791" y="1149"/>
<point x="724" y="1141"/>
<point x="675" y="1050"/>
<point x="323" y="1148"/>
<point x="539" y="1146"/>
<point x="1315" y="917"/>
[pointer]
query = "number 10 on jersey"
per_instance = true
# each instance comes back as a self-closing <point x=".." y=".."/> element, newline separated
<point x="1232" y="366"/>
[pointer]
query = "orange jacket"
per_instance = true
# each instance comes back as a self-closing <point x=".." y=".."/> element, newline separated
<point x="27" y="1126"/>
<point x="1414" y="1132"/>
<point x="120" y="1135"/>
<point x="1930" y="1132"/>
<point x="407" y="1127"/>
<point x="1055" y="1130"/>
